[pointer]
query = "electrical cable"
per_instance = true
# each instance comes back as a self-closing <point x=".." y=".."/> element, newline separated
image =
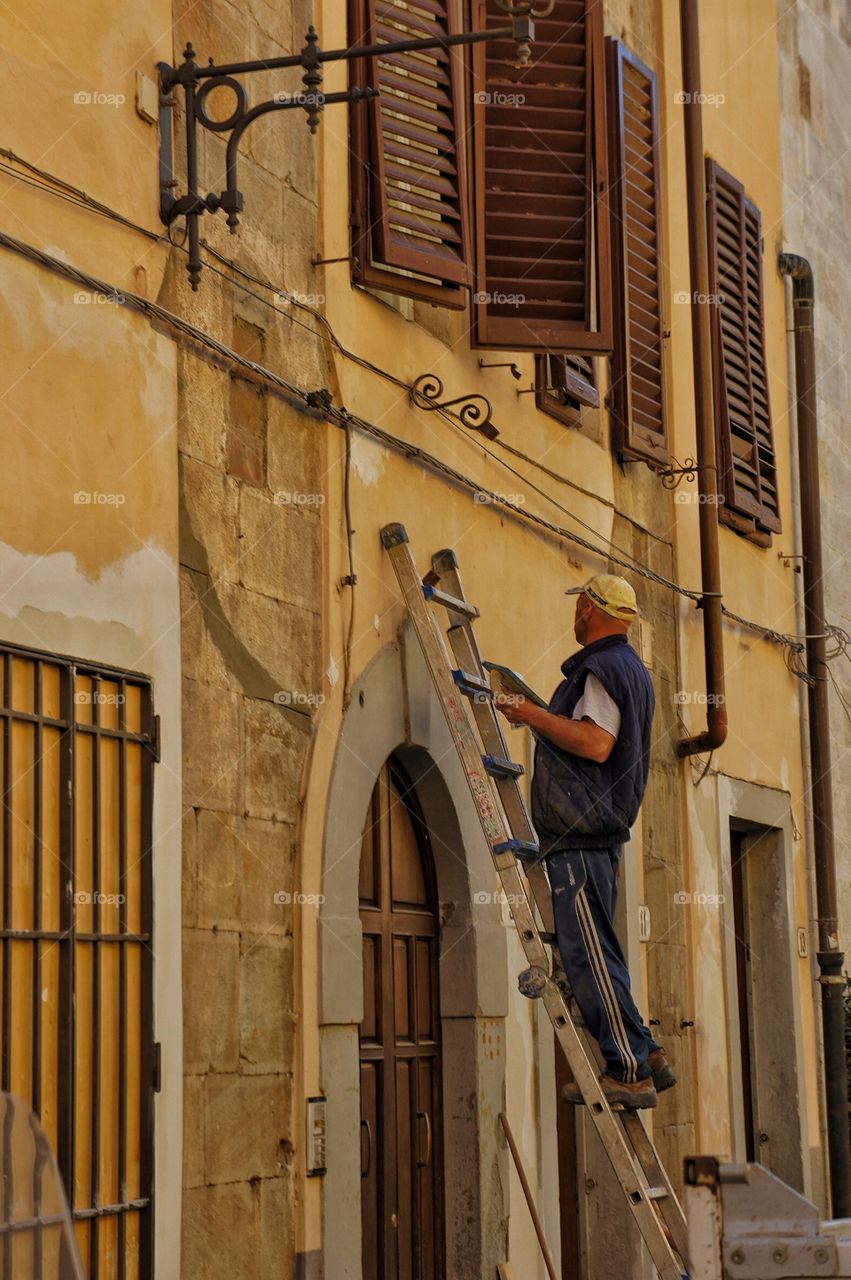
<point x="81" y="196"/>
<point x="342" y="417"/>
<point x="352" y="578"/>
<point x="77" y="196"/>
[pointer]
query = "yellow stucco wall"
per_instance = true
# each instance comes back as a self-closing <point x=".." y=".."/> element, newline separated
<point x="90" y="405"/>
<point x="516" y="573"/>
<point x="88" y="532"/>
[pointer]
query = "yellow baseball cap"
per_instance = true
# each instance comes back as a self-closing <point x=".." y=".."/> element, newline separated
<point x="610" y="593"/>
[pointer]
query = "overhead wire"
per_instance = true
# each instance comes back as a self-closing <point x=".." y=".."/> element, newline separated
<point x="794" y="645"/>
<point x="77" y="196"/>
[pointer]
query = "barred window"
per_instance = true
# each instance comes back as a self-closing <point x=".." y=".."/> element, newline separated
<point x="76" y="961"/>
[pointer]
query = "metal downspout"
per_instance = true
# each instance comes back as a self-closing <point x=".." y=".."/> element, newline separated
<point x="830" y="957"/>
<point x="707" y="469"/>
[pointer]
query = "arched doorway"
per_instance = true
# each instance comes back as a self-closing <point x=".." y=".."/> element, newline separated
<point x="399" y="1040"/>
<point x="394" y="713"/>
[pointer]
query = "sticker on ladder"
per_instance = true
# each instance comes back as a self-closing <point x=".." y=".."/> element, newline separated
<point x="485" y="805"/>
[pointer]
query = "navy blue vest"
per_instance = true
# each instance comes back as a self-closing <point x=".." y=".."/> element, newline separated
<point x="577" y="803"/>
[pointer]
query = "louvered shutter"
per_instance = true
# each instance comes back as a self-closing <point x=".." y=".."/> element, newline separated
<point x="542" y="268"/>
<point x="409" y="214"/>
<point x="638" y="384"/>
<point x="747" y="464"/>
<point x="563" y="385"/>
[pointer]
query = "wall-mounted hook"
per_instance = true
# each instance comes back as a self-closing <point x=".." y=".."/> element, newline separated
<point x="502" y="364"/>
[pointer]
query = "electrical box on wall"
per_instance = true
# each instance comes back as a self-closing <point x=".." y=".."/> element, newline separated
<point x="316" y="1134"/>
<point x="147" y="98"/>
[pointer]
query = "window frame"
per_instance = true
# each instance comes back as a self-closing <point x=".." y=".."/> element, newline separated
<point x="580" y="393"/>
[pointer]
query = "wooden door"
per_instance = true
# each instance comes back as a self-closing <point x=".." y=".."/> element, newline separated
<point x="400" y="1063"/>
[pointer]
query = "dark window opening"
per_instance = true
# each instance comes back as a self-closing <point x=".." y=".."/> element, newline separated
<point x="564" y="386"/>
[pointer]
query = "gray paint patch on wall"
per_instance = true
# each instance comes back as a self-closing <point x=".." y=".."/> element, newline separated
<point x="308" y="1266"/>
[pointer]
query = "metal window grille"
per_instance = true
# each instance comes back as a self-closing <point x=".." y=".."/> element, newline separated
<point x="77" y="747"/>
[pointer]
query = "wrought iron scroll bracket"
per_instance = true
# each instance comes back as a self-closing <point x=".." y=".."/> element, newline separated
<point x="672" y="477"/>
<point x="197" y="83"/>
<point x="474" y="412"/>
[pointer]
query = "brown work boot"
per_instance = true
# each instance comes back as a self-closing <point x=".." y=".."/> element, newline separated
<point x="663" y="1072"/>
<point x="618" y="1092"/>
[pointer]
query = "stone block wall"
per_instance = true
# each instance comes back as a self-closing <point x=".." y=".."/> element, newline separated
<point x="250" y="635"/>
<point x="815" y="67"/>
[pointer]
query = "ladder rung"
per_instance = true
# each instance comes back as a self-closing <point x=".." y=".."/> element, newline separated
<point x="436" y="596"/>
<point x="498" y="767"/>
<point x="473" y="686"/>
<point x="549" y="938"/>
<point x="657" y="1193"/>
<point x="522" y="848"/>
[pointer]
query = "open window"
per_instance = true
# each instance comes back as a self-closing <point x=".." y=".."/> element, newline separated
<point x="564" y="385"/>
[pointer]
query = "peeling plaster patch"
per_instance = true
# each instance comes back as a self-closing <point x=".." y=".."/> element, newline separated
<point x="157" y="365"/>
<point x="47" y="311"/>
<point x="368" y="458"/>
<point x="333" y="672"/>
<point x="137" y="592"/>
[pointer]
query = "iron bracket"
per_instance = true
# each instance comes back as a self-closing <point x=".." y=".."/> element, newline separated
<point x="475" y="410"/>
<point x="197" y="83"/>
<point x="672" y="477"/>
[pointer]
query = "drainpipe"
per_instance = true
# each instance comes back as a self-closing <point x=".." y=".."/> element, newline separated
<point x="707" y="468"/>
<point x="830" y="957"/>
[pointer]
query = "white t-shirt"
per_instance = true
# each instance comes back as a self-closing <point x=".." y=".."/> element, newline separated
<point x="599" y="706"/>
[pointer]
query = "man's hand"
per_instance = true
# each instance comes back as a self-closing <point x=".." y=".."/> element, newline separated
<point x="580" y="737"/>
<point x="515" y="708"/>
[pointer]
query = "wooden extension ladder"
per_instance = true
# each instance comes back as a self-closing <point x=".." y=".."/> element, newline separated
<point x="493" y="780"/>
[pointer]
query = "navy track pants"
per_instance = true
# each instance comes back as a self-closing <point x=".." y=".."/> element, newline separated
<point x="584" y="892"/>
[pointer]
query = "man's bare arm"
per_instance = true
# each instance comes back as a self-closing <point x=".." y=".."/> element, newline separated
<point x="580" y="737"/>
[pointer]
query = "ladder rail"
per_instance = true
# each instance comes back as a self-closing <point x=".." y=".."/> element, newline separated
<point x="464" y="644"/>
<point x="669" y="1206"/>
<point x="633" y="1157"/>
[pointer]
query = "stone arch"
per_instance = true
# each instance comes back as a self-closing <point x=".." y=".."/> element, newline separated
<point x="394" y="710"/>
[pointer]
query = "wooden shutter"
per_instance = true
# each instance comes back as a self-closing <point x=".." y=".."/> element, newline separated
<point x="409" y="214"/>
<point x="563" y="385"/>
<point x="540" y="186"/>
<point x="746" y="459"/>
<point x="638" y="384"/>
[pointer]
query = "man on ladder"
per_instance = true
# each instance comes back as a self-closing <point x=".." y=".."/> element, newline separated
<point x="592" y="758"/>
